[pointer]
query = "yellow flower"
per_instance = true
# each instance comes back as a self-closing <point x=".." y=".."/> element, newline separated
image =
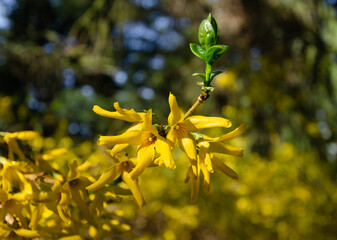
<point x="13" y="147"/>
<point x="122" y="170"/>
<point x="181" y="128"/>
<point x="122" y="114"/>
<point x="207" y="161"/>
<point x="149" y="143"/>
<point x="13" y="179"/>
<point x="12" y="206"/>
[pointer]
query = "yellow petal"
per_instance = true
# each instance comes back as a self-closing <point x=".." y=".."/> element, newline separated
<point x="134" y="188"/>
<point x="195" y="182"/>
<point x="121" y="114"/>
<point x="130" y="137"/>
<point x="106" y="178"/>
<point x="224" y="168"/>
<point x="171" y="137"/>
<point x="235" y="133"/>
<point x="147" y="124"/>
<point x="164" y="149"/>
<point x="188" y="145"/>
<point x="118" y="148"/>
<point x="145" y="156"/>
<point x="33" y="223"/>
<point x="207" y="179"/>
<point x="73" y="237"/>
<point x="27" y="135"/>
<point x="219" y="147"/>
<point x="73" y="173"/>
<point x="196" y="123"/>
<point x="26" y="233"/>
<point x="132" y="114"/>
<point x="175" y="115"/>
<point x="204" y="155"/>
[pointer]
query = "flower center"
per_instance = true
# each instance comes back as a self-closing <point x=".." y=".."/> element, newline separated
<point x="180" y="130"/>
<point x="125" y="166"/>
<point x="149" y="138"/>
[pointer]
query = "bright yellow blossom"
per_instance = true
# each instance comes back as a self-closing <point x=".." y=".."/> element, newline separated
<point x="207" y="161"/>
<point x="149" y="143"/>
<point x="181" y="128"/>
<point x="122" y="170"/>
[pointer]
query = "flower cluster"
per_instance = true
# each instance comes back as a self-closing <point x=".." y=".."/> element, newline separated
<point x="155" y="143"/>
<point x="44" y="196"/>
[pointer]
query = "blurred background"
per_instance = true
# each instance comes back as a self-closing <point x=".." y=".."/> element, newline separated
<point x="59" y="58"/>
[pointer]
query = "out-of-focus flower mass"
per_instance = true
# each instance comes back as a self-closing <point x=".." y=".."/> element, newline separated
<point x="106" y="132"/>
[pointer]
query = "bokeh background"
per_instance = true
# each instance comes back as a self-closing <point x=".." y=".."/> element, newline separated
<point x="58" y="58"/>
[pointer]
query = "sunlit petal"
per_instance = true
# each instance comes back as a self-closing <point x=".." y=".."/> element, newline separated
<point x="130" y="137"/>
<point x="217" y="163"/>
<point x="196" y="123"/>
<point x="106" y="178"/>
<point x="206" y="174"/>
<point x="235" y="133"/>
<point x="164" y="149"/>
<point x="145" y="156"/>
<point x="118" y="148"/>
<point x="121" y="114"/>
<point x="171" y="137"/>
<point x="134" y="188"/>
<point x="188" y="145"/>
<point x="175" y="115"/>
<point x="132" y="114"/>
<point x="219" y="147"/>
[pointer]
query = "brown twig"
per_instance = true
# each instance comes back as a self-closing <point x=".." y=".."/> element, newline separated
<point x="202" y="98"/>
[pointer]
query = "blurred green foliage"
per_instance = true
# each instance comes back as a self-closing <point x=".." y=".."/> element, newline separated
<point x="58" y="58"/>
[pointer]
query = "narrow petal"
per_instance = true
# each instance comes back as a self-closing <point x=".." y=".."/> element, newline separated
<point x="100" y="111"/>
<point x="73" y="173"/>
<point x="106" y="178"/>
<point x="132" y="114"/>
<point x="164" y="149"/>
<point x="145" y="156"/>
<point x="134" y="188"/>
<point x="147" y="124"/>
<point x="195" y="182"/>
<point x="121" y="114"/>
<point x="188" y="145"/>
<point x="175" y="115"/>
<point x="219" y="147"/>
<point x="118" y="148"/>
<point x="130" y="137"/>
<point x="235" y="133"/>
<point x="196" y="123"/>
<point x="27" y="135"/>
<point x="72" y="237"/>
<point x="204" y="154"/>
<point x="217" y="163"/>
<point x="26" y="233"/>
<point x="207" y="179"/>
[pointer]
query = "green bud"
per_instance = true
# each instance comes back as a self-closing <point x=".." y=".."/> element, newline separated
<point x="214" y="24"/>
<point x="206" y="34"/>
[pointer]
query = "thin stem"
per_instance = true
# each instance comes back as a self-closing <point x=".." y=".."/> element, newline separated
<point x="202" y="98"/>
<point x="208" y="72"/>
